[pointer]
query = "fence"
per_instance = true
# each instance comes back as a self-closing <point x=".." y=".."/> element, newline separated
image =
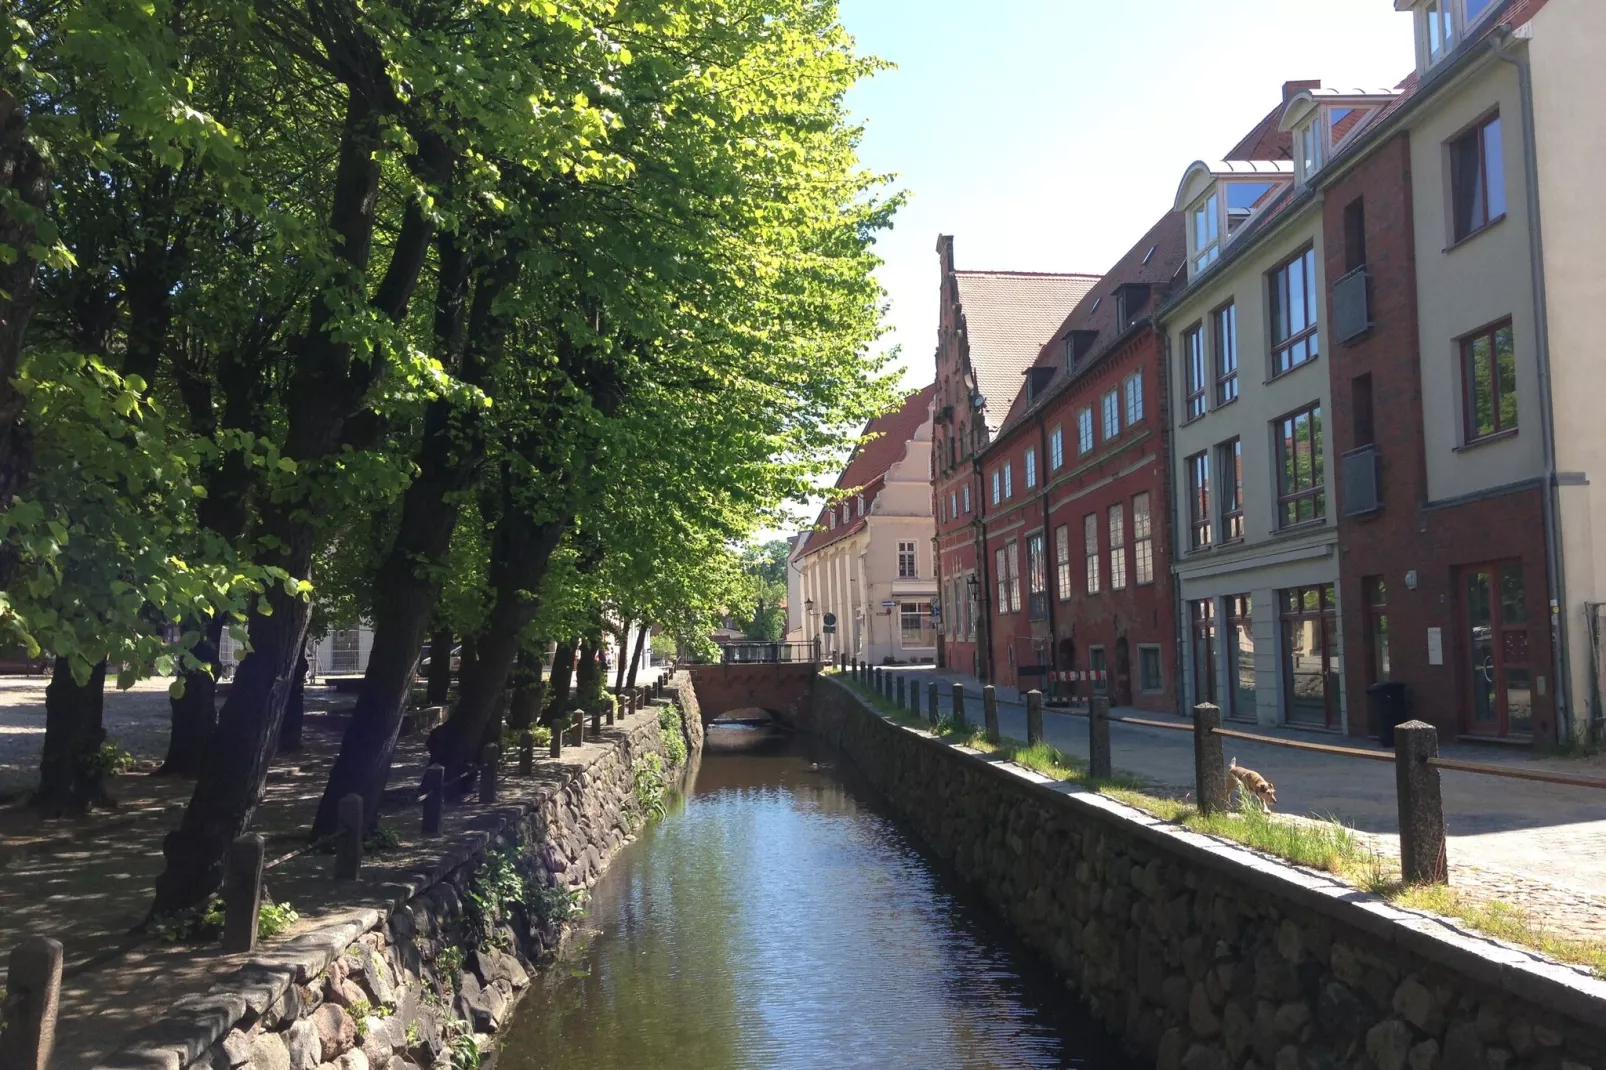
<point x="808" y="651"/>
<point x="30" y="1009"/>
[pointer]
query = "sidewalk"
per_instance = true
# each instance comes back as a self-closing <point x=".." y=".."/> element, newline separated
<point x="1540" y="846"/>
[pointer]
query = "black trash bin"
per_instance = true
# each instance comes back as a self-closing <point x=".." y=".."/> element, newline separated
<point x="1388" y="707"/>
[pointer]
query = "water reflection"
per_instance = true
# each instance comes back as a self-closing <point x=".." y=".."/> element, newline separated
<point x="777" y="918"/>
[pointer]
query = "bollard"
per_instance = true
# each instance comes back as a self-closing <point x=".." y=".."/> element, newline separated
<point x="33" y="997"/>
<point x="631" y="698"/>
<point x="526" y="753"/>
<point x="577" y="728"/>
<point x="596" y="724"/>
<point x="1034" y="717"/>
<point x="1209" y="768"/>
<point x="242" y="893"/>
<point x="490" y="757"/>
<point x="900" y="693"/>
<point x="932" y="713"/>
<point x="959" y="706"/>
<point x="1098" y="738"/>
<point x="1422" y="855"/>
<point x="610" y="710"/>
<point x="348" y="839"/>
<point x="989" y="713"/>
<point x="434" y="792"/>
<point x="554" y="746"/>
<point x="914" y="697"/>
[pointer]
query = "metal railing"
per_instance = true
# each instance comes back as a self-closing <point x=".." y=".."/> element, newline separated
<point x="769" y="653"/>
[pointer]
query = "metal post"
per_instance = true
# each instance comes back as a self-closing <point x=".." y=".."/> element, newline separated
<point x="1209" y="768"/>
<point x="959" y="706"/>
<point x="989" y="713"/>
<point x="1098" y="738"/>
<point x="434" y="792"/>
<point x="490" y="758"/>
<point x="932" y="712"/>
<point x="526" y="753"/>
<point x="348" y="842"/>
<point x="242" y="893"/>
<point x="1422" y="854"/>
<point x="1034" y="717"/>
<point x="33" y="997"/>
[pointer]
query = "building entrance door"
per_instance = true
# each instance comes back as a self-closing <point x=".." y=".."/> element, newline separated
<point x="1310" y="656"/>
<point x="1500" y="677"/>
<point x="1123" y="674"/>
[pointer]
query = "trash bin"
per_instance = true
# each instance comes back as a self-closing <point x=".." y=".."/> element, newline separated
<point x="1388" y="707"/>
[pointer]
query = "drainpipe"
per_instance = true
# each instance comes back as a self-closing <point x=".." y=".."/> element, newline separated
<point x="1502" y="45"/>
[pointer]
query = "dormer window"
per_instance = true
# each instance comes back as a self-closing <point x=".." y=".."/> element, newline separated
<point x="1130" y="301"/>
<point x="1219" y="198"/>
<point x="1442" y="24"/>
<point x="1308" y="149"/>
<point x="1323" y="121"/>
<point x="1244" y="199"/>
<point x="1204" y="232"/>
<point x="1037" y="380"/>
<point x="1440" y="29"/>
<point x="1078" y="344"/>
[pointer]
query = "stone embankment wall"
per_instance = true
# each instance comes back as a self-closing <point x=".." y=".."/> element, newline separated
<point x="1201" y="955"/>
<point x="392" y="987"/>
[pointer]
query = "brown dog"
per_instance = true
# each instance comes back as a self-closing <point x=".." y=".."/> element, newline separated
<point x="1252" y="783"/>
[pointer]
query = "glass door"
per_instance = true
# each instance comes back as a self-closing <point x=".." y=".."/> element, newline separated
<point x="1500" y="677"/>
<point x="1310" y="656"/>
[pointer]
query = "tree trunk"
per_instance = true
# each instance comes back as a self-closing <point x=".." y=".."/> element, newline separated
<point x="194" y="716"/>
<point x="635" y="659"/>
<point x="619" y="671"/>
<point x="70" y="773"/>
<point x="588" y="677"/>
<point x="527" y="691"/>
<point x="294" y="706"/>
<point x="561" y="680"/>
<point x="439" y="685"/>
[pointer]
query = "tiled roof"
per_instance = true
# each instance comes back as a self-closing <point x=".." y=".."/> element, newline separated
<point x="882" y="445"/>
<point x="1265" y="141"/>
<point x="1153" y="261"/>
<point x="1008" y="317"/>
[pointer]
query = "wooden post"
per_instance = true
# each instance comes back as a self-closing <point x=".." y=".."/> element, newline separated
<point x="959" y="706"/>
<point x="1034" y="717"/>
<point x="577" y="725"/>
<point x="610" y="711"/>
<point x="933" y="714"/>
<point x="1098" y="738"/>
<point x="1209" y="767"/>
<point x="348" y="842"/>
<point x="526" y="753"/>
<point x="914" y="697"/>
<point x="242" y="893"/>
<point x="554" y="747"/>
<point x="989" y="713"/>
<point x="33" y="997"/>
<point x="1422" y="853"/>
<point x="596" y="723"/>
<point x="434" y="798"/>
<point x="900" y="699"/>
<point x="490" y="758"/>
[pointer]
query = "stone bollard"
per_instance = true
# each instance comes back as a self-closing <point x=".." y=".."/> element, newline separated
<point x="348" y="839"/>
<point x="933" y="715"/>
<point x="554" y="746"/>
<point x="526" y="753"/>
<point x="1209" y="767"/>
<point x="33" y="997"/>
<point x="1098" y="738"/>
<point x="914" y="697"/>
<point x="596" y="724"/>
<point x="577" y="728"/>
<point x="242" y="893"/>
<point x="434" y="798"/>
<point x="1034" y="717"/>
<point x="959" y="706"/>
<point x="490" y="758"/>
<point x="611" y="710"/>
<point x="989" y="713"/>
<point x="1422" y="855"/>
<point x="900" y="700"/>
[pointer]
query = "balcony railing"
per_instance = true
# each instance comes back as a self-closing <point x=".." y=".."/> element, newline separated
<point x="1352" y="314"/>
<point x="1359" y="481"/>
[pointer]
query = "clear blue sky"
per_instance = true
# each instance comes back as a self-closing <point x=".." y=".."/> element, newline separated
<point x="1047" y="135"/>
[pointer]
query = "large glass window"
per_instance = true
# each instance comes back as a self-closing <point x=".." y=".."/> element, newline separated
<point x="1293" y="312"/>
<point x="1037" y="577"/>
<point x="1489" y="381"/>
<point x="1241" y="657"/>
<point x="1440" y="29"/>
<point x="1133" y="389"/>
<point x="1193" y="371"/>
<point x="1230" y="463"/>
<point x="1377" y="629"/>
<point x="1224" y="331"/>
<point x="1117" y="548"/>
<point x="1478" y="177"/>
<point x="1111" y="405"/>
<point x="1062" y="560"/>
<point x="1090" y="550"/>
<point x="908" y="561"/>
<point x="1310" y="655"/>
<point x="1014" y="577"/>
<point x="1031" y="467"/>
<point x="998" y="483"/>
<point x="1056" y="449"/>
<point x="1198" y="468"/>
<point x="1009" y="479"/>
<point x="1244" y="199"/>
<point x="1205" y="232"/>
<point x="1142" y="540"/>
<point x="1301" y="483"/>
<point x="1084" y="431"/>
<point x="1202" y="622"/>
<point x="915" y="621"/>
<point x="1001" y="575"/>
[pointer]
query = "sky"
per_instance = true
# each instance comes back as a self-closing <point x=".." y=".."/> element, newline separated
<point x="1048" y="135"/>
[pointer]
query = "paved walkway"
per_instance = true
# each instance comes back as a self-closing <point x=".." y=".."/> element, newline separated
<point x="1540" y="846"/>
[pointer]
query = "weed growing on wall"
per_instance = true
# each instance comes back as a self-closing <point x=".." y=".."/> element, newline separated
<point x="495" y="888"/>
<point x="275" y="918"/>
<point x="650" y="784"/>
<point x="382" y="837"/>
<point x="674" y="738"/>
<point x="204" y="924"/>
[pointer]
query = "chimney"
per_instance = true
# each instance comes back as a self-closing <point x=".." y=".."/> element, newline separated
<point x="1292" y="88"/>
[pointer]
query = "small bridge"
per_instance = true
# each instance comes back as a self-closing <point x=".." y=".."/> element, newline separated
<point x="783" y="688"/>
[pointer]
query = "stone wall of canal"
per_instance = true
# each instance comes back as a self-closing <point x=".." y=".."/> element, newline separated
<point x="385" y="986"/>
<point x="1199" y="955"/>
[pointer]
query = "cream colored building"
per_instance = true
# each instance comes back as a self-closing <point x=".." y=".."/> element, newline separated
<point x="865" y="574"/>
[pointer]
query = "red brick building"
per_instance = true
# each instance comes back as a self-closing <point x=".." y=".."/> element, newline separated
<point x="1074" y="493"/>
<point x="992" y="326"/>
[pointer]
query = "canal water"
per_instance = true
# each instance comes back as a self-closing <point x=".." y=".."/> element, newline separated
<point x="779" y="917"/>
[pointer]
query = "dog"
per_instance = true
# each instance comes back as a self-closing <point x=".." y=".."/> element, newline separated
<point x="1251" y="783"/>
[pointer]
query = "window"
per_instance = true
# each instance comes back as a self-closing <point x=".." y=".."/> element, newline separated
<point x="1142" y="540"/>
<point x="1014" y="577"/>
<point x="1193" y="371"/>
<point x="1244" y="199"/>
<point x="1476" y="9"/>
<point x="965" y="497"/>
<point x="1133" y="388"/>
<point x="1062" y="560"/>
<point x="1301" y="488"/>
<point x="1090" y="550"/>
<point x="1501" y="660"/>
<point x="1084" y="431"/>
<point x="953" y="505"/>
<point x="915" y="618"/>
<point x="1355" y="234"/>
<point x="1440" y="29"/>
<point x="1009" y="479"/>
<point x="1293" y="313"/>
<point x="1150" y="679"/>
<point x="861" y="505"/>
<point x="832" y="520"/>
<point x="1031" y="467"/>
<point x="1308" y="149"/>
<point x="1477" y="178"/>
<point x="1240" y="640"/>
<point x="1037" y="577"/>
<point x="1111" y="405"/>
<point x="1360" y="393"/>
<point x="1224" y="328"/>
<point x="1202" y="620"/>
<point x="1377" y="629"/>
<point x="1199" y="500"/>
<point x="908" y="561"/>
<point x="1310" y="656"/>
<point x="1230" y="463"/>
<point x="1056" y="449"/>
<point x="1489" y="381"/>
<point x="997" y="483"/>
<point x="1117" y="548"/>
<point x="1205" y="233"/>
<point x="1001" y="575"/>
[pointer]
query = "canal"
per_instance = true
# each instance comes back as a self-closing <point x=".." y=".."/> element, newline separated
<point x="780" y="917"/>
